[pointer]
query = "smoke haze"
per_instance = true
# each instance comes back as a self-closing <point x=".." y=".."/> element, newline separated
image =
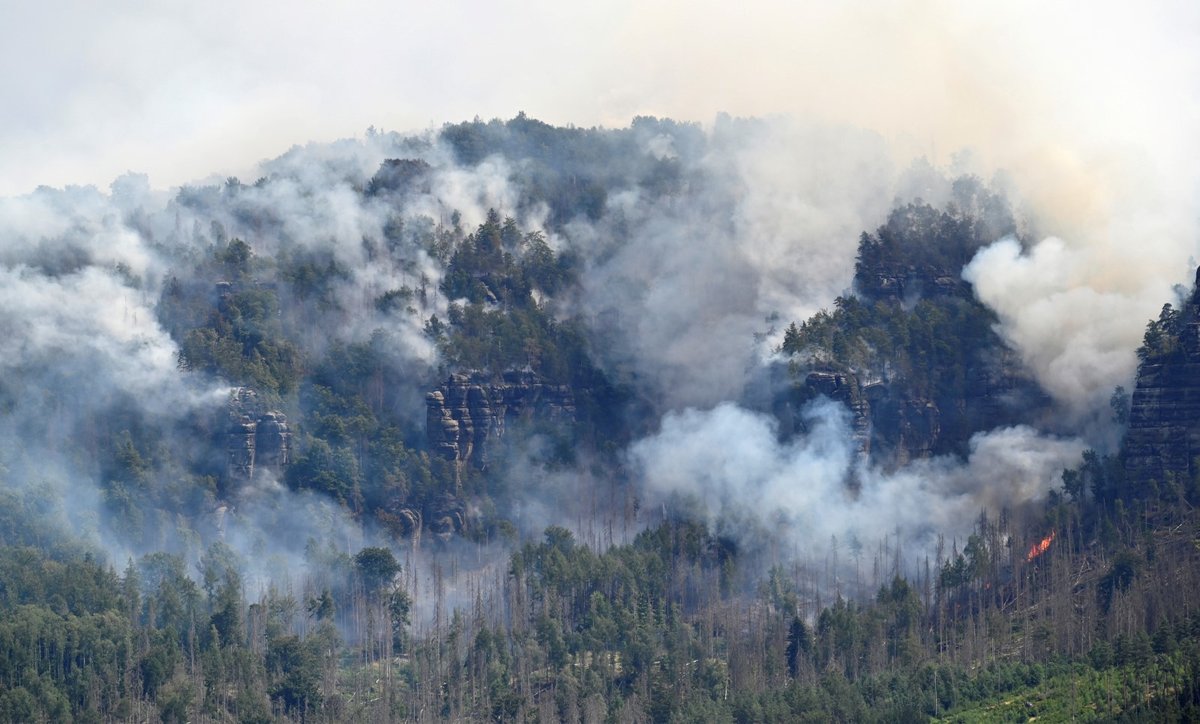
<point x="729" y="463"/>
<point x="1087" y="121"/>
<point x="766" y="231"/>
<point x="1089" y="115"/>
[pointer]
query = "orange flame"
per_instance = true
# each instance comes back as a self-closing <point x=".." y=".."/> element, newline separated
<point x="1040" y="547"/>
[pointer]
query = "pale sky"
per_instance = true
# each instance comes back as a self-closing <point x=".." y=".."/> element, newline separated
<point x="184" y="90"/>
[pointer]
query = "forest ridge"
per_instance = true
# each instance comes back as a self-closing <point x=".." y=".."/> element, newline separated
<point x="510" y="421"/>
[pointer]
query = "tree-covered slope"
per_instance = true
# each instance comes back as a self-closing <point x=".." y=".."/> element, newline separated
<point x="517" y="422"/>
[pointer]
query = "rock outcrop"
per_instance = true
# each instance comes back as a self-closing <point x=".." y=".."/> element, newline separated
<point x="903" y="429"/>
<point x="272" y="440"/>
<point x="843" y="387"/>
<point x="469" y="412"/>
<point x="1163" y="439"/>
<point x="893" y="428"/>
<point x="447" y="516"/>
<point x="925" y="400"/>
<point x="906" y="283"/>
<point x="886" y="429"/>
<point x="256" y="439"/>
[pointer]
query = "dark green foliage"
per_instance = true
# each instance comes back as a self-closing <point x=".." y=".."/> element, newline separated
<point x="501" y="283"/>
<point x="931" y="350"/>
<point x="242" y="341"/>
<point x="398" y="175"/>
<point x="323" y="607"/>
<point x="294" y="667"/>
<point x="799" y="645"/>
<point x="1120" y="402"/>
<point x="1161" y="340"/>
<point x="497" y="322"/>
<point x="80" y="643"/>
<point x="613" y="601"/>
<point x="915" y="332"/>
<point x="333" y="472"/>
<point x="171" y="599"/>
<point x="235" y="260"/>
<point x="637" y="626"/>
<point x="222" y="582"/>
<point x="377" y="568"/>
<point x="1119" y="577"/>
<point x="312" y="277"/>
<point x="254" y="319"/>
<point x="228" y="322"/>
<point x="355" y="449"/>
<point x="932" y="242"/>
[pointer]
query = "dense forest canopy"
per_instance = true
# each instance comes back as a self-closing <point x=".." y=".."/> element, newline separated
<point x="512" y="421"/>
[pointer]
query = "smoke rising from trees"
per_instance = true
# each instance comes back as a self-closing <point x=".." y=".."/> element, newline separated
<point x="694" y="248"/>
<point x="729" y="465"/>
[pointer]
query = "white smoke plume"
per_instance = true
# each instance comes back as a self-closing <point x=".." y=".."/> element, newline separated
<point x="765" y="229"/>
<point x="682" y="291"/>
<point x="78" y="352"/>
<point x="1090" y="114"/>
<point x="83" y="352"/>
<point x="730" y="463"/>
<point x="1075" y="316"/>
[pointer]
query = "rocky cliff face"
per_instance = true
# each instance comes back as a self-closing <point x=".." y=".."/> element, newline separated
<point x="903" y="429"/>
<point x="888" y="429"/>
<point x="893" y="428"/>
<point x="844" y="387"/>
<point x="901" y="283"/>
<point x="945" y="374"/>
<point x="1163" y="439"/>
<point x="469" y="413"/>
<point x="256" y="439"/>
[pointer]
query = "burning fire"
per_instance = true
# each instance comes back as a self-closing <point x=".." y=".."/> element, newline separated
<point x="1040" y="547"/>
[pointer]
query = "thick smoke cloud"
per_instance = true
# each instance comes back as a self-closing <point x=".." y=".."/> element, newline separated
<point x="97" y="334"/>
<point x="681" y="293"/>
<point x="1091" y="116"/>
<point x="764" y="232"/>
<point x="58" y="230"/>
<point x="83" y="353"/>
<point x="80" y="353"/>
<point x="180" y="92"/>
<point x="1075" y="316"/>
<point x="730" y="464"/>
<point x="1085" y="114"/>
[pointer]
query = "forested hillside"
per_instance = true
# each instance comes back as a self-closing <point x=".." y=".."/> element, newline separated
<point x="515" y="422"/>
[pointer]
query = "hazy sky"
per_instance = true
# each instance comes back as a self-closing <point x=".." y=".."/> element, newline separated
<point x="181" y="90"/>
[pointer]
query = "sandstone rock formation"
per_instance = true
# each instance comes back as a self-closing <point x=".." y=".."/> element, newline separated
<point x="469" y="413"/>
<point x="906" y="282"/>
<point x="1163" y="439"/>
<point x="922" y="407"/>
<point x="903" y="429"/>
<point x="893" y="428"/>
<point x="447" y="517"/>
<point x="844" y="387"/>
<point x="256" y="439"/>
